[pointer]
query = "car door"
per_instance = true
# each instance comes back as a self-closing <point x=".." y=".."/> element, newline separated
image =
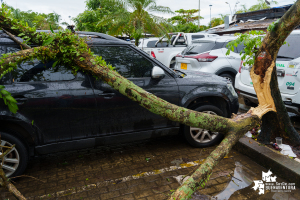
<point x="61" y="105"/>
<point x="119" y="114"/>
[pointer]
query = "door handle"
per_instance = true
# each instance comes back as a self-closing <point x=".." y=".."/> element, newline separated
<point x="21" y="101"/>
<point x="107" y="95"/>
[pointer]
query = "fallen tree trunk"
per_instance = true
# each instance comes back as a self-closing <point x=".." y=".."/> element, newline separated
<point x="234" y="128"/>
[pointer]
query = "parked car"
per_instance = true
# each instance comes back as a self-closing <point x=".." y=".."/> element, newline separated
<point x="209" y="55"/>
<point x="147" y="42"/>
<point x="60" y="111"/>
<point x="165" y="51"/>
<point x="287" y="66"/>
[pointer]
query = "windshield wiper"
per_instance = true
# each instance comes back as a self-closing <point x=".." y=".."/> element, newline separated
<point x="285" y="57"/>
<point x="181" y="73"/>
<point x="191" y="52"/>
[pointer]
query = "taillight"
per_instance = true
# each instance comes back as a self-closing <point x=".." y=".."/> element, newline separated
<point x="153" y="54"/>
<point x="241" y="65"/>
<point x="205" y="57"/>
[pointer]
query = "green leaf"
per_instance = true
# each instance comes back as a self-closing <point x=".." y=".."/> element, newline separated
<point x="48" y="41"/>
<point x="55" y="63"/>
<point x="51" y="29"/>
<point x="32" y="122"/>
<point x="2" y="87"/>
<point x="4" y="92"/>
<point x="11" y="99"/>
<point x="11" y="108"/>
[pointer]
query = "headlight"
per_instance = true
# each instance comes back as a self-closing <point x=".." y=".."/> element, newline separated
<point x="231" y="89"/>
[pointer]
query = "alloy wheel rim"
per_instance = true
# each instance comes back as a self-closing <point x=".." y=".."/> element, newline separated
<point x="202" y="135"/>
<point x="228" y="79"/>
<point x="11" y="160"/>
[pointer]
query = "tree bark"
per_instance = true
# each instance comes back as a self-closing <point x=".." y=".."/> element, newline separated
<point x="265" y="83"/>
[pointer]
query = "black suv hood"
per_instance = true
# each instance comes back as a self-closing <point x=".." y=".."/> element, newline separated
<point x="202" y="78"/>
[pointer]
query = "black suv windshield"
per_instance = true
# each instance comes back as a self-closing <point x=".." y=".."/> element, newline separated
<point x="291" y="48"/>
<point x="199" y="48"/>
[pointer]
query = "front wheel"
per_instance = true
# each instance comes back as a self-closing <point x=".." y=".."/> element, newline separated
<point x="15" y="162"/>
<point x="198" y="137"/>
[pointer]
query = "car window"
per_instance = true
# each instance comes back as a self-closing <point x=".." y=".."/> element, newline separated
<point x="6" y="79"/>
<point x="129" y="63"/>
<point x="194" y="37"/>
<point x="239" y="48"/>
<point x="291" y="48"/>
<point x="151" y="43"/>
<point x="36" y="71"/>
<point x="199" y="48"/>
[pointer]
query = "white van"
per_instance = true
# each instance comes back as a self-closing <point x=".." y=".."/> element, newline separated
<point x="288" y="70"/>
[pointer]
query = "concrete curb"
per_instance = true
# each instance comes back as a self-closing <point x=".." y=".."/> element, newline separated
<point x="279" y="164"/>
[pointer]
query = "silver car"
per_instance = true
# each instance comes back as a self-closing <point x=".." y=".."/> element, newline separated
<point x="209" y="55"/>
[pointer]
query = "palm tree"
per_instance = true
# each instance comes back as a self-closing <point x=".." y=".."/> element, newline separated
<point x="261" y="4"/>
<point x="136" y="18"/>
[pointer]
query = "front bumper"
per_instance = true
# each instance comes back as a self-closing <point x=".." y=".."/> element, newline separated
<point x="234" y="106"/>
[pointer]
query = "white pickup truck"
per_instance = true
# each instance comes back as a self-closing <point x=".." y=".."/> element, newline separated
<point x="165" y="50"/>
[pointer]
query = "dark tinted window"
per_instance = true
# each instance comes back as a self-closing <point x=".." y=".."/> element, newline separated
<point x="239" y="48"/>
<point x="218" y="45"/>
<point x="127" y="62"/>
<point x="33" y="71"/>
<point x="151" y="44"/>
<point x="6" y="79"/>
<point x="199" y="48"/>
<point x="194" y="37"/>
<point x="291" y="48"/>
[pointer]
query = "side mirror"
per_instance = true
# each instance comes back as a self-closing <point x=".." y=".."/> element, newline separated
<point x="157" y="73"/>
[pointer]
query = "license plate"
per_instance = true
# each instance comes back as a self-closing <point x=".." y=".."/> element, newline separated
<point x="183" y="66"/>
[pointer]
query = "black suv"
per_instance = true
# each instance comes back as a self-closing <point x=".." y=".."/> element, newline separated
<point x="60" y="111"/>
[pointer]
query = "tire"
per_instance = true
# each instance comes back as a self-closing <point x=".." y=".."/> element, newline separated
<point x="190" y="133"/>
<point x="229" y="78"/>
<point x="16" y="161"/>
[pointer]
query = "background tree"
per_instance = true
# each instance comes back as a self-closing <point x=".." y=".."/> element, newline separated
<point x="39" y="20"/>
<point x="216" y="21"/>
<point x="96" y="11"/>
<point x="185" y="21"/>
<point x="117" y="17"/>
<point x="261" y="4"/>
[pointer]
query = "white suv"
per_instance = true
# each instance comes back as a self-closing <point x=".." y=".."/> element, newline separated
<point x="288" y="69"/>
<point x="209" y="55"/>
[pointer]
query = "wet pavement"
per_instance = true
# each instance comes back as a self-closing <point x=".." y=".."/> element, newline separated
<point x="141" y="170"/>
<point x="146" y="170"/>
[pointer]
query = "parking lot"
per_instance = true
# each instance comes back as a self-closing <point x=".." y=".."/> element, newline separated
<point x="141" y="170"/>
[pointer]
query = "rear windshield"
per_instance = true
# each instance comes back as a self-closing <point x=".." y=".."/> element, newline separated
<point x="198" y="48"/>
<point x="291" y="48"/>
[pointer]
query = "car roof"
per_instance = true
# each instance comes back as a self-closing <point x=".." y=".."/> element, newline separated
<point x="94" y="38"/>
<point x="214" y="39"/>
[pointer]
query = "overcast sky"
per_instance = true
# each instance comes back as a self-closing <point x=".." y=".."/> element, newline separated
<point x="72" y="8"/>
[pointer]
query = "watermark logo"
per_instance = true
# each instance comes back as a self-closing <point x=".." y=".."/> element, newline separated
<point x="269" y="182"/>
